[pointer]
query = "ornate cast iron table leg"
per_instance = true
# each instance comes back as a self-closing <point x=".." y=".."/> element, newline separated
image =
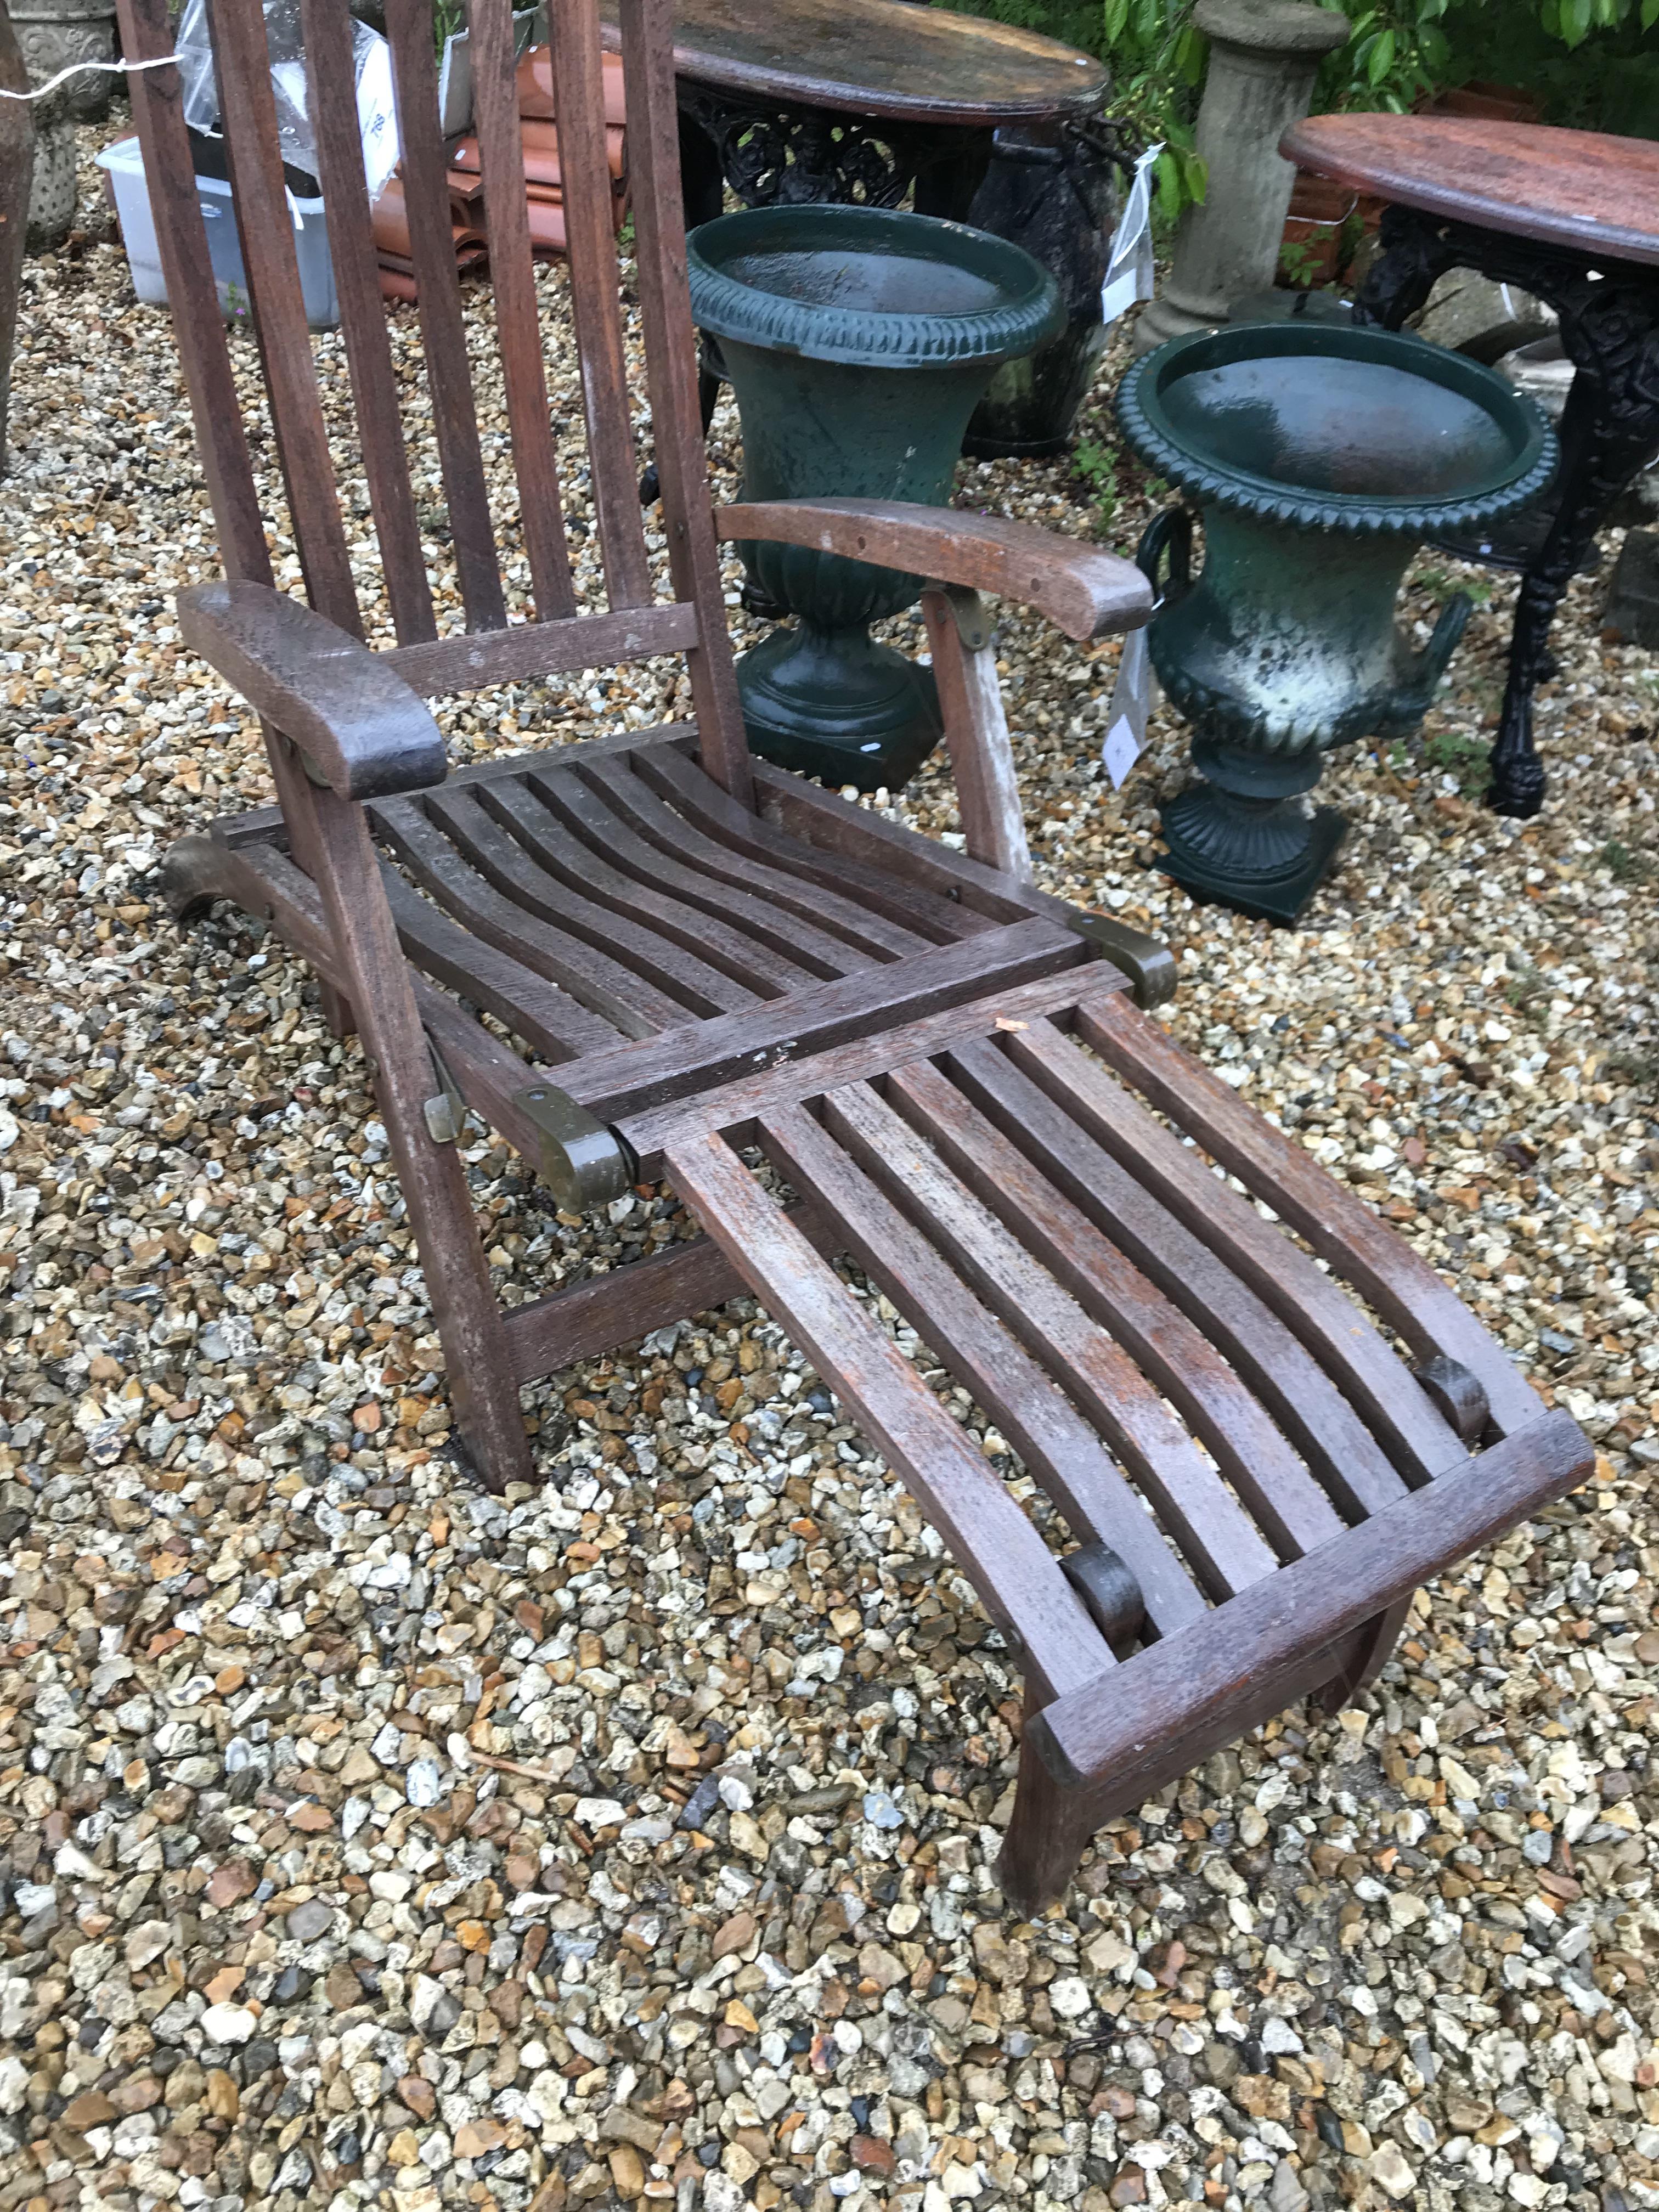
<point x="773" y="153"/>
<point x="1609" y="315"/>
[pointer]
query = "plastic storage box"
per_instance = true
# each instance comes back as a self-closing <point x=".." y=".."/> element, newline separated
<point x="123" y="164"/>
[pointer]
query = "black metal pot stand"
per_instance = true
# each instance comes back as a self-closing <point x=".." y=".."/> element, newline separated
<point x="1609" y="312"/>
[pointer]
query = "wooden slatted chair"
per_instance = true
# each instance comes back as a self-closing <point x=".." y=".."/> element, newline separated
<point x="1261" y="1435"/>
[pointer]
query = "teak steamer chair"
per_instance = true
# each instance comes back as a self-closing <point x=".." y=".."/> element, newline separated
<point x="709" y="954"/>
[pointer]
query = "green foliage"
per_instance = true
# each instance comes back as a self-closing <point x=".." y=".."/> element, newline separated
<point x="1464" y="757"/>
<point x="1300" y="264"/>
<point x="1592" y="63"/>
<point x="1398" y="50"/>
<point x="1627" y="867"/>
<point x="1157" y="54"/>
<point x="1097" y="466"/>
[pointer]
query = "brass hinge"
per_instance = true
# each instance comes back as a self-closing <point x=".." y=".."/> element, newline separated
<point x="445" y="1112"/>
<point x="970" y="614"/>
<point x="582" y="1163"/>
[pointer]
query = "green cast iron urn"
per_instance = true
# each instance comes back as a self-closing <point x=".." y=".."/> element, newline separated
<point x="858" y="341"/>
<point x="1319" y="456"/>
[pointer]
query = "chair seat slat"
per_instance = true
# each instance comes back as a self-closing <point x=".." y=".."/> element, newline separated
<point x="564" y="899"/>
<point x="591" y="867"/>
<point x="683" y="830"/>
<point x="1019" y="1580"/>
<point x="550" y="1022"/>
<point x="1053" y="1438"/>
<point x="632" y="1005"/>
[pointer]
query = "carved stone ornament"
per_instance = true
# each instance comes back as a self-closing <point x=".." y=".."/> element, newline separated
<point x="56" y="33"/>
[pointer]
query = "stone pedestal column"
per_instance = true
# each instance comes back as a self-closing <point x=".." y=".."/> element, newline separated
<point x="16" y="170"/>
<point x="1264" y="56"/>
<point x="56" y="33"/>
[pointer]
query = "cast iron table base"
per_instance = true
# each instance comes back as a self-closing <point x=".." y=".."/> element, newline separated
<point x="1609" y="313"/>
<point x="1572" y="216"/>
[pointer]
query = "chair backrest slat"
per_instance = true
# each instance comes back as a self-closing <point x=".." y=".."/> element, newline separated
<point x="671" y="348"/>
<point x="518" y="322"/>
<point x="248" y="112"/>
<point x="393" y="444"/>
<point x="595" y="298"/>
<point x="328" y="37"/>
<point x="443" y="333"/>
<point x="199" y="327"/>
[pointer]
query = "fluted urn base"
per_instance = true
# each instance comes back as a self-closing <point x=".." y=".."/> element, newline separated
<point x="1240" y="838"/>
<point x="836" y="705"/>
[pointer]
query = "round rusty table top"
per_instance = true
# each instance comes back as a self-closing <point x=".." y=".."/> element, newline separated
<point x="882" y="57"/>
<point x="1580" y="190"/>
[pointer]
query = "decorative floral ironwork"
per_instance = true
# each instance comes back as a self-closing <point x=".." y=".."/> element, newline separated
<point x="772" y="154"/>
<point x="1609" y="312"/>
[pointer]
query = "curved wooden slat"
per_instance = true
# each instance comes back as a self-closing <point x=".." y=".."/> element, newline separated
<point x="1019" y="1581"/>
<point x="793" y="943"/>
<point x="580" y="865"/>
<point x="1307" y="1406"/>
<point x="691" y="794"/>
<point x="1337" y="1332"/>
<point x="592" y="977"/>
<point x="1225" y="1551"/>
<point x="1177" y="1359"/>
<point x="1045" y="1429"/>
<point x="650" y="813"/>
<point x="477" y="835"/>
<point x="1363" y="1250"/>
<point x="549" y="1019"/>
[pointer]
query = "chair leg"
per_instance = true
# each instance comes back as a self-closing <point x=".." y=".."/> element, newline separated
<point x="1363" y="1656"/>
<point x="483" y="1384"/>
<point x="1046" y="1837"/>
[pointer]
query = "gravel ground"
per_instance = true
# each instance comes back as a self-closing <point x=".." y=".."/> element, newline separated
<point x="367" y="1840"/>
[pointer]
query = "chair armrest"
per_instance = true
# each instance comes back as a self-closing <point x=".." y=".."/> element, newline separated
<point x="1083" y="592"/>
<point x="360" y="726"/>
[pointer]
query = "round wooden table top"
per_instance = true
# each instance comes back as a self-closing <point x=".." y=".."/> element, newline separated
<point x="882" y="57"/>
<point x="1578" y="189"/>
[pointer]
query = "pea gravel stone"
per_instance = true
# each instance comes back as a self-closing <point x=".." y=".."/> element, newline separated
<point x="368" y="1841"/>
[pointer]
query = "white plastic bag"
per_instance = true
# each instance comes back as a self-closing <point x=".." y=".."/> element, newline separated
<point x="372" y="59"/>
<point x="1129" y="269"/>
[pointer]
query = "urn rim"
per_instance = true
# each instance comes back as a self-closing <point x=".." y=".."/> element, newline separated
<point x="1021" y="308"/>
<point x="1159" y="441"/>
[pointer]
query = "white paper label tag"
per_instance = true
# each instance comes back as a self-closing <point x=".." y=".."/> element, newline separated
<point x="1132" y="701"/>
<point x="1129" y="271"/>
